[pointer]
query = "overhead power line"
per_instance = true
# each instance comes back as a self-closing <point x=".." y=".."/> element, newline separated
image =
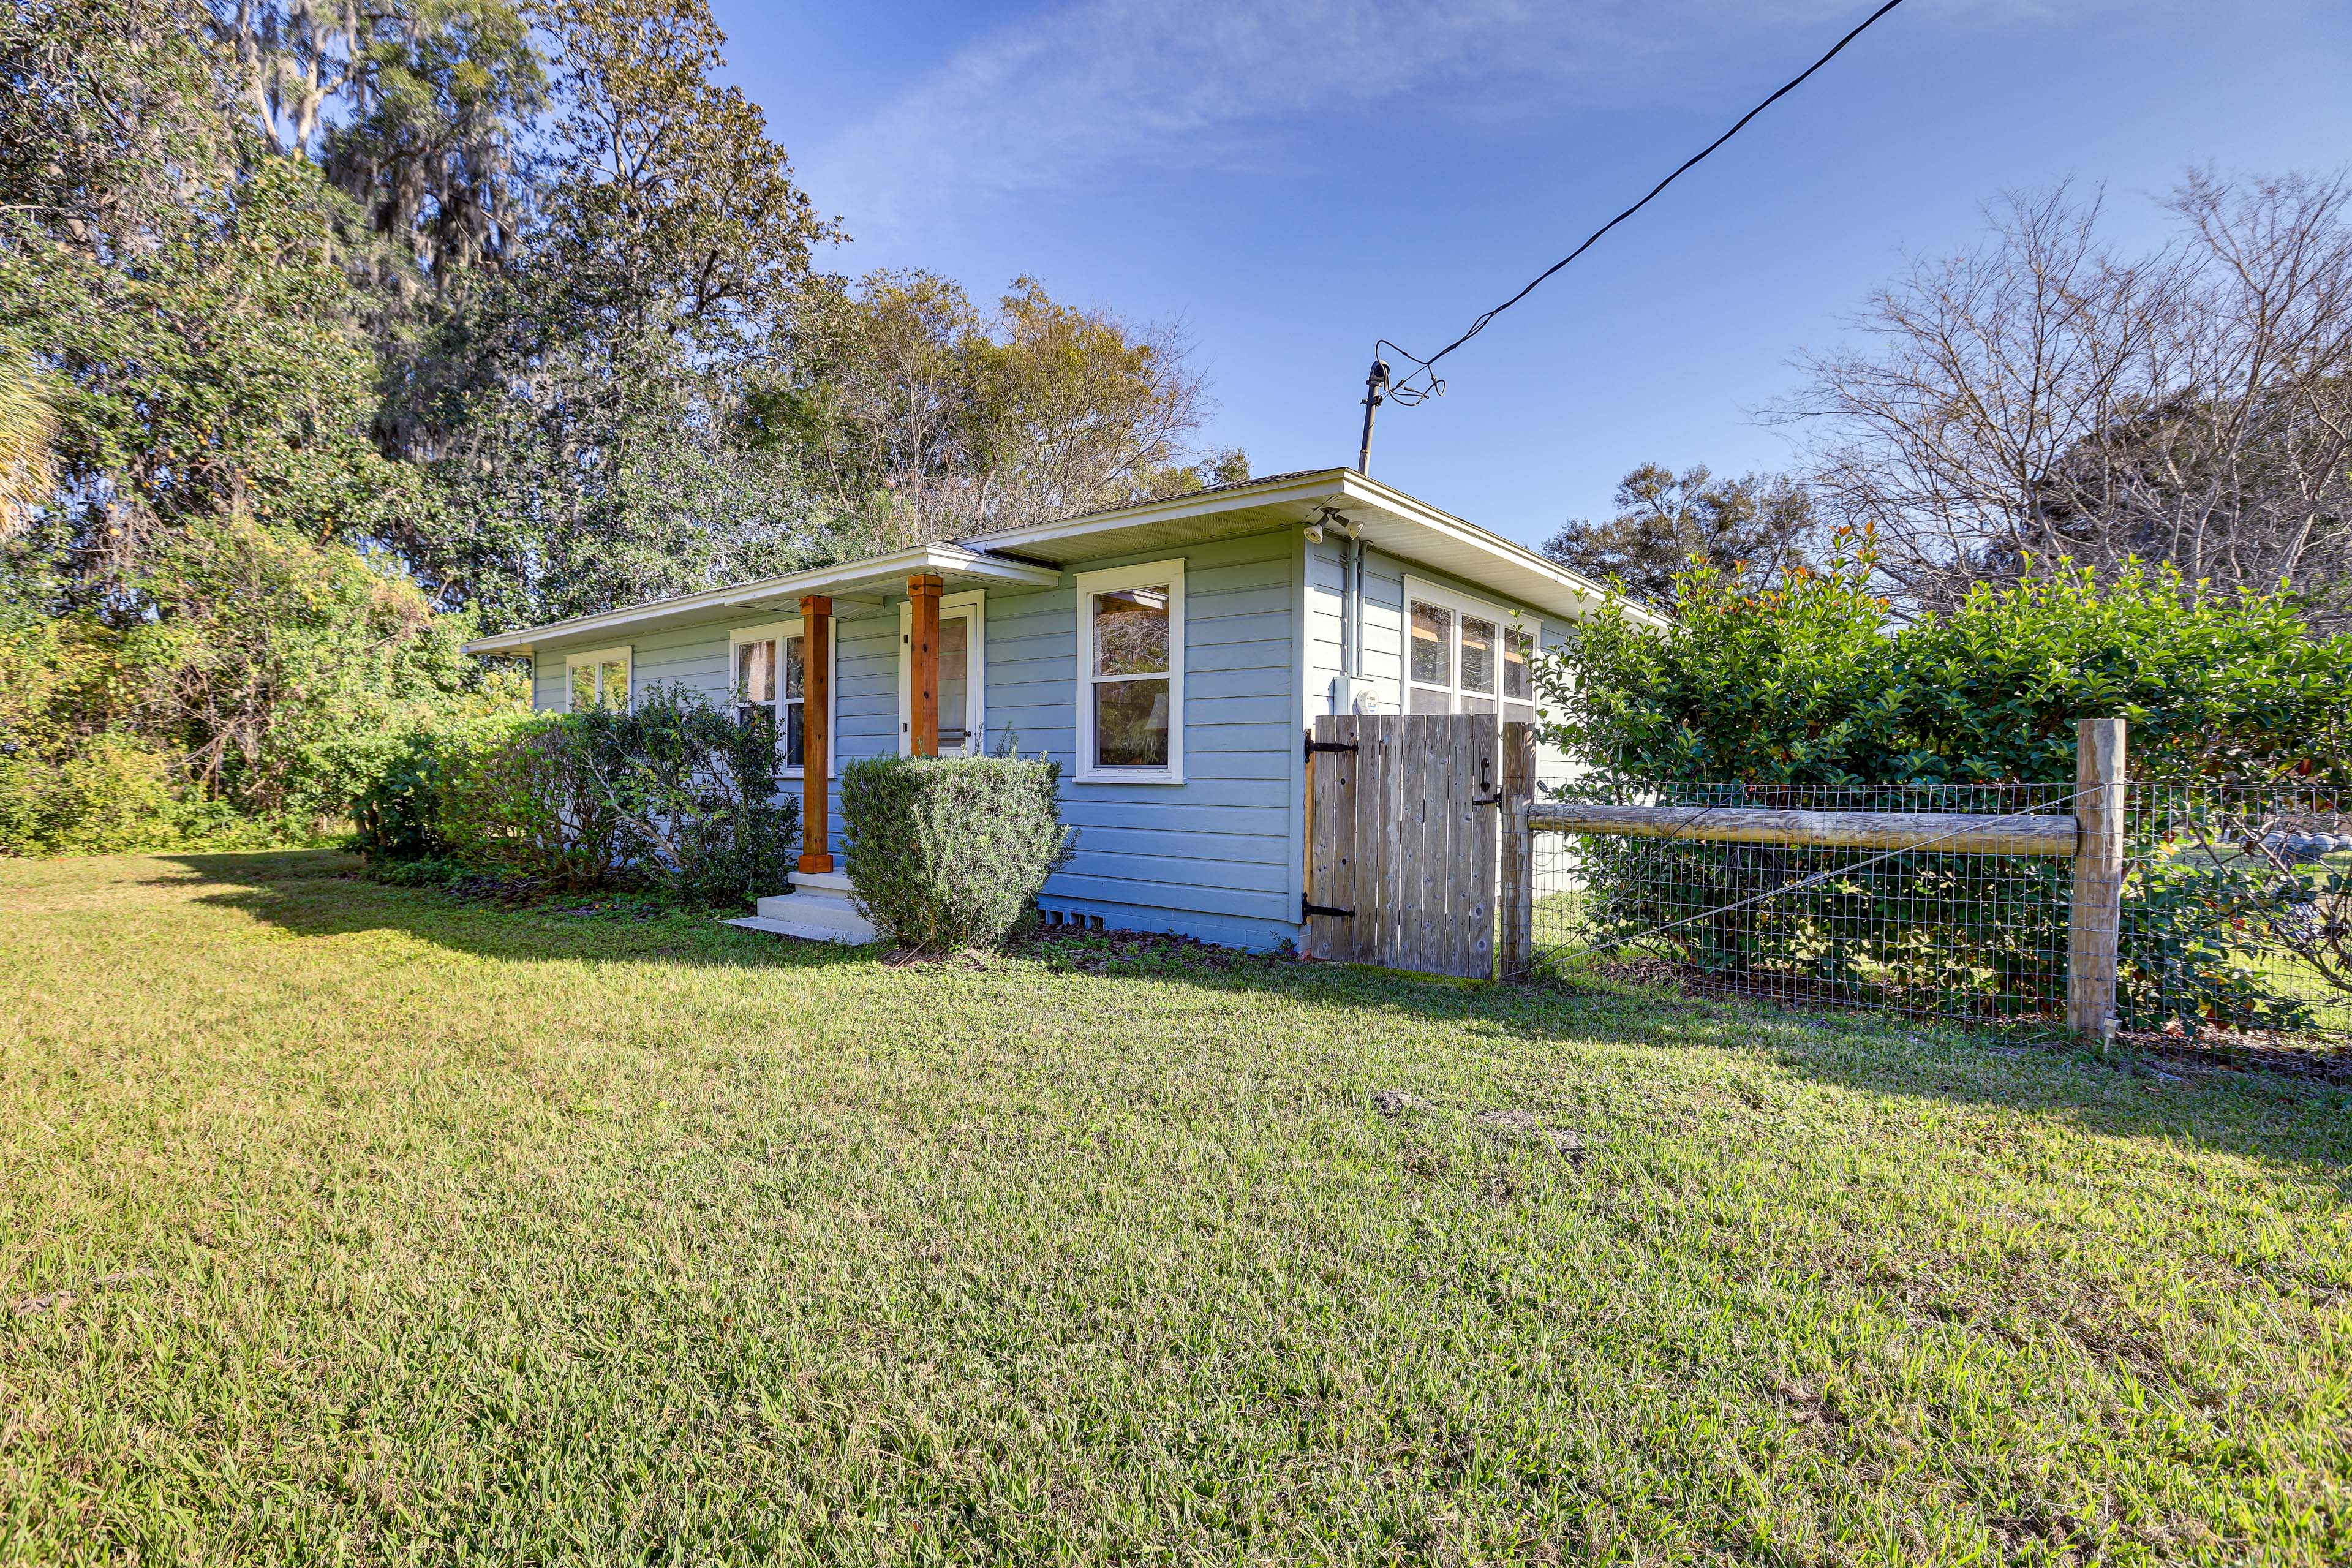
<point x="1422" y="383"/>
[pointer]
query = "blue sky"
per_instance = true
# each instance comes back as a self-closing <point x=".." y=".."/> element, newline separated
<point x="1294" y="180"/>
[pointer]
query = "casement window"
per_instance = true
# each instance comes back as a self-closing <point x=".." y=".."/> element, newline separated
<point x="963" y="632"/>
<point x="1464" y="656"/>
<point x="769" y="672"/>
<point x="597" y="680"/>
<point x="1131" y="687"/>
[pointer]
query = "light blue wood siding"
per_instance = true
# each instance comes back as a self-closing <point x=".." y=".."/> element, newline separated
<point x="1384" y="622"/>
<point x="1218" y="856"/>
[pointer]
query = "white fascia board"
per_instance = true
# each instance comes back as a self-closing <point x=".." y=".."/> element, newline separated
<point x="1556" y="590"/>
<point x="1304" y="489"/>
<point x="1399" y="524"/>
<point x="943" y="560"/>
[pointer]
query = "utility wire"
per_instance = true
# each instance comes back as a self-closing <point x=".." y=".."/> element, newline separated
<point x="1406" y="393"/>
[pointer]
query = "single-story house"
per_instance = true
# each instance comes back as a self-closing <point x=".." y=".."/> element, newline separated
<point x="1169" y="654"/>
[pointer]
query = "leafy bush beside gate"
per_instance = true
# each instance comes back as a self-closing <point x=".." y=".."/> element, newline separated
<point x="1788" y="698"/>
<point x="950" y="853"/>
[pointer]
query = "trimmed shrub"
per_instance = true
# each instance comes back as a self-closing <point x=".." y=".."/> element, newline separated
<point x="947" y="853"/>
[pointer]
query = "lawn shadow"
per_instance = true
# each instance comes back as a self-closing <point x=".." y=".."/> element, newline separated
<point x="2295" y="1123"/>
<point x="2298" y="1123"/>
<point x="320" y="893"/>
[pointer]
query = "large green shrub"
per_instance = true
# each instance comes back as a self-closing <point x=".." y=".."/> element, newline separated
<point x="950" y="853"/>
<point x="1749" y="699"/>
<point x="525" y="803"/>
<point x="1810" y="684"/>
<point x="678" y="792"/>
<point x="692" y="788"/>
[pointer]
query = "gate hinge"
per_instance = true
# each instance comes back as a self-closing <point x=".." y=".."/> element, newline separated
<point x="1313" y="745"/>
<point x="1489" y="800"/>
<point x="1306" y="907"/>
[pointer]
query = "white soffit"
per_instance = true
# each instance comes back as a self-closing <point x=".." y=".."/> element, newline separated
<point x="1391" y="521"/>
<point x="878" y="576"/>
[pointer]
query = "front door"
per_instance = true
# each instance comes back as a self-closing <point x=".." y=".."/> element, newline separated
<point x="962" y="629"/>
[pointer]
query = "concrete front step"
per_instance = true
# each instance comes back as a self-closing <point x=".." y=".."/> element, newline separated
<point x="817" y="909"/>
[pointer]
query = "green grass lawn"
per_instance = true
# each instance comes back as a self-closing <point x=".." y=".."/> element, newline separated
<point x="347" y="1222"/>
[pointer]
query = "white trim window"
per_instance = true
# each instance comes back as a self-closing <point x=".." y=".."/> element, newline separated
<point x="964" y="674"/>
<point x="766" y="671"/>
<point x="598" y="678"/>
<point x="1130" y="686"/>
<point x="1466" y="656"/>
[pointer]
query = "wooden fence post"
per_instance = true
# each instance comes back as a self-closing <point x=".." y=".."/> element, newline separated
<point x="1515" y="949"/>
<point x="2096" y="917"/>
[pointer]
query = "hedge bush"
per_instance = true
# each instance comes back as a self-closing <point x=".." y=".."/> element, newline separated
<point x="1810" y="683"/>
<point x="1750" y="697"/>
<point x="947" y="853"/>
<point x="692" y="789"/>
<point x="677" y="794"/>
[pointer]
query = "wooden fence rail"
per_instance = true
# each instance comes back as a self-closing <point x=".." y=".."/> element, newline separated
<point x="1954" y="833"/>
<point x="2091" y="836"/>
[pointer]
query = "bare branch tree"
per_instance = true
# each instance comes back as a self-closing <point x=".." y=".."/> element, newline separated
<point x="2044" y="397"/>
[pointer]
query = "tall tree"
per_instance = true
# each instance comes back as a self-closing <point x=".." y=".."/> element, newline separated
<point x="195" y="330"/>
<point x="918" y="416"/>
<point x="114" y="118"/>
<point x="2046" y="398"/>
<point x="441" y="93"/>
<point x="602" y="452"/>
<point x="1751" y="530"/>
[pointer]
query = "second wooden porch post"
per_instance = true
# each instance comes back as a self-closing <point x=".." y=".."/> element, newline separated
<point x="923" y="720"/>
<point x="816" y="732"/>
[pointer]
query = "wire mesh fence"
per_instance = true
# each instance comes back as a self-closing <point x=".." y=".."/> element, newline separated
<point x="2236" y="907"/>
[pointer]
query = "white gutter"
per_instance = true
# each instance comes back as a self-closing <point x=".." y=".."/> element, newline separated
<point x="775" y="593"/>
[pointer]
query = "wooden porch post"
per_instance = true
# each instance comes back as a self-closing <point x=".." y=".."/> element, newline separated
<point x="924" y="717"/>
<point x="816" y="732"/>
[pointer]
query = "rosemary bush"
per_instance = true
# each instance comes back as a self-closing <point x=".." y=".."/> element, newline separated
<point x="947" y="853"/>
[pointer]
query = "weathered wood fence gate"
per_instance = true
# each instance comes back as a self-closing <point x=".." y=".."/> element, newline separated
<point x="1420" y="846"/>
<point x="1402" y="834"/>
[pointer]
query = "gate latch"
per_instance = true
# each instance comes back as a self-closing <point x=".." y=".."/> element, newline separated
<point x="1306" y="908"/>
<point x="1313" y="745"/>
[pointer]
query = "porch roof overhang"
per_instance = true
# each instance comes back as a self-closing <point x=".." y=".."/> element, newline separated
<point x="1391" y="520"/>
<point x="1034" y="555"/>
<point x="854" y="587"/>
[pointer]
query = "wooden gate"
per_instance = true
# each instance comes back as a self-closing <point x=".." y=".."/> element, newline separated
<point x="1402" y="834"/>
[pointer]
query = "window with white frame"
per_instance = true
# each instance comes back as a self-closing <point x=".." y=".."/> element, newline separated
<point x="1130" y="689"/>
<point x="596" y="680"/>
<point x="770" y="672"/>
<point x="963" y="631"/>
<point x="1464" y="656"/>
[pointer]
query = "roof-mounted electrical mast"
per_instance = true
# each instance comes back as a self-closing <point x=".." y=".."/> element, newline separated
<point x="1375" y="387"/>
